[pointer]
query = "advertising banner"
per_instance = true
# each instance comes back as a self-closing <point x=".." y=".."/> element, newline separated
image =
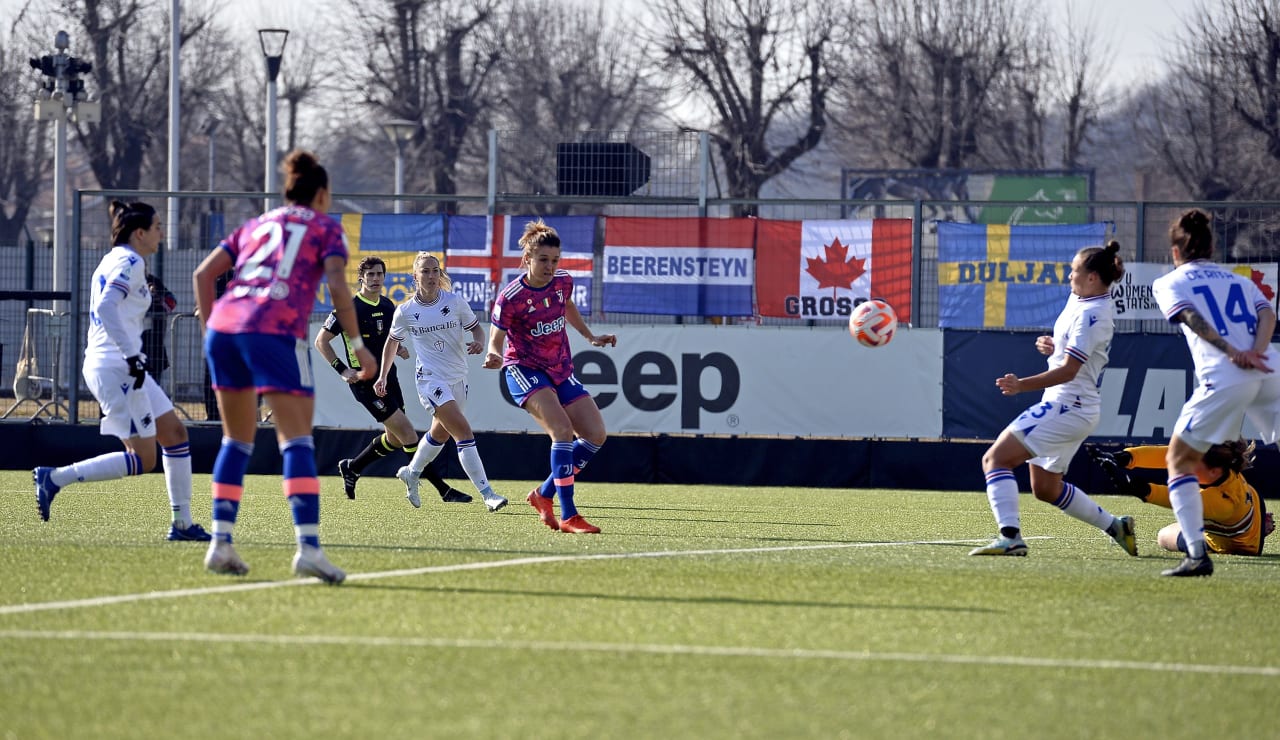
<point x="1134" y="300"/>
<point x="1147" y="380"/>
<point x="679" y="266"/>
<point x="743" y="380"/>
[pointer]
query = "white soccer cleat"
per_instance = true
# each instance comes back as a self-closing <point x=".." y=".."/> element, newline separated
<point x="310" y="561"/>
<point x="494" y="501"/>
<point x="410" y="478"/>
<point x="223" y="559"/>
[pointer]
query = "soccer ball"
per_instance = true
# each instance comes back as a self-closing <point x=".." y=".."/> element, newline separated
<point x="873" y="323"/>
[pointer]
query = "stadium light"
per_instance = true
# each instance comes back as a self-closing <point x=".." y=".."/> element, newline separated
<point x="401" y="132"/>
<point x="62" y="98"/>
<point x="272" y="41"/>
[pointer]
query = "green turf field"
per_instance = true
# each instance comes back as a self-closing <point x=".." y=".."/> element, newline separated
<point x="700" y="612"/>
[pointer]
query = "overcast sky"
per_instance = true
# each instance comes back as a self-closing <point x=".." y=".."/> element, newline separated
<point x="1138" y="28"/>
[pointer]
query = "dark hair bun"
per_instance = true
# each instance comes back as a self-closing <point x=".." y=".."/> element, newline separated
<point x="1113" y="247"/>
<point x="1195" y="219"/>
<point x="300" y="162"/>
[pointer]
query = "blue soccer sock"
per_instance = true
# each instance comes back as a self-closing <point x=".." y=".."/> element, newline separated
<point x="583" y="451"/>
<point x="562" y="474"/>
<point x="302" y="487"/>
<point x="228" y="485"/>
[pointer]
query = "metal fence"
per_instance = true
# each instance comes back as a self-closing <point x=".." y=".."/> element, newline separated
<point x="1246" y="234"/>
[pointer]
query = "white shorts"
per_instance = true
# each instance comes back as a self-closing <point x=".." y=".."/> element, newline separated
<point x="126" y="412"/>
<point x="1053" y="432"/>
<point x="1211" y="417"/>
<point x="433" y="392"/>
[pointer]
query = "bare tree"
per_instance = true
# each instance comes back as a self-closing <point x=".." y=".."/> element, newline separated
<point x="1214" y="120"/>
<point x="567" y="70"/>
<point x="1083" y="61"/>
<point x="754" y="62"/>
<point x="127" y="42"/>
<point x="431" y="61"/>
<point x="25" y="154"/>
<point x="925" y="77"/>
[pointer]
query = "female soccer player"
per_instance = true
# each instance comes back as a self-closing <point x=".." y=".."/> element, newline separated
<point x="1228" y="324"/>
<point x="134" y="407"/>
<point x="1048" y="434"/>
<point x="438" y="321"/>
<point x="530" y="315"/>
<point x="373" y="313"/>
<point x="1236" y="520"/>
<point x="256" y="344"/>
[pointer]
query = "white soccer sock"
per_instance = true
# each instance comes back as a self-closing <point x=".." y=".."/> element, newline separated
<point x="111" y="466"/>
<point x="1002" y="494"/>
<point x="469" y="456"/>
<point x="428" y="450"/>
<point x="1188" y="508"/>
<point x="177" y="478"/>
<point x="1076" y="503"/>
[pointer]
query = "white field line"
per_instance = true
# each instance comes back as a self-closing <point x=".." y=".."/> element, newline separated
<point x="623" y="648"/>
<point x="456" y="567"/>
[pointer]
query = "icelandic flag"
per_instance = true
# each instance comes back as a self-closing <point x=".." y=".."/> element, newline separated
<point x="995" y="276"/>
<point x="396" y="238"/>
<point x="484" y="255"/>
<point x="815" y="269"/>
<point x="679" y="266"/>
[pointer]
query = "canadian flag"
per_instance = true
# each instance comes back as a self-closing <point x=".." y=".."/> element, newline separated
<point x="816" y="269"/>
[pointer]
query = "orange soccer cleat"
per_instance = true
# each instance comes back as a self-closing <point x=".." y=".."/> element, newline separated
<point x="577" y="525"/>
<point x="546" y="511"/>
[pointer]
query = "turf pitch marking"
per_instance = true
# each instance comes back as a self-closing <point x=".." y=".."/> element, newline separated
<point x="608" y="647"/>
<point x="453" y="568"/>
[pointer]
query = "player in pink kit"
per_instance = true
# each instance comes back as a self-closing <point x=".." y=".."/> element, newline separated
<point x="255" y="343"/>
<point x="530" y="314"/>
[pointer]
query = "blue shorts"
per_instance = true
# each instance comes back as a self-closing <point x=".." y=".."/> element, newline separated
<point x="268" y="363"/>
<point x="523" y="382"/>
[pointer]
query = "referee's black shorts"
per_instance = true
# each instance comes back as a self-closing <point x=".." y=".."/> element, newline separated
<point x="380" y="407"/>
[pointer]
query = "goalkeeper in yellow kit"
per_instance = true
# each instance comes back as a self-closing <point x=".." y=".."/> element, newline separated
<point x="1236" y="521"/>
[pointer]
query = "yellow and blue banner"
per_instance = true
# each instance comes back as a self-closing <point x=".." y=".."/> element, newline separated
<point x="396" y="238"/>
<point x="993" y="276"/>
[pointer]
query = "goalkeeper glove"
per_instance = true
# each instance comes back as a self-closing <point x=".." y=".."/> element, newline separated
<point x="1116" y="467"/>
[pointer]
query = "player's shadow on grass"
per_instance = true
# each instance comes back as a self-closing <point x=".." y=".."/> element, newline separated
<point x="713" y="600"/>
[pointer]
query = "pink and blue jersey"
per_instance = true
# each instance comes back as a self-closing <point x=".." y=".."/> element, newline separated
<point x="533" y="319"/>
<point x="279" y="261"/>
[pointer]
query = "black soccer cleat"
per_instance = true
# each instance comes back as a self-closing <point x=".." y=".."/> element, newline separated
<point x="1191" y="567"/>
<point x="348" y="478"/>
<point x="454" y="496"/>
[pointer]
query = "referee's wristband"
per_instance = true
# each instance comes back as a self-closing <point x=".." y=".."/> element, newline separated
<point x="339" y="365"/>
<point x="356" y="343"/>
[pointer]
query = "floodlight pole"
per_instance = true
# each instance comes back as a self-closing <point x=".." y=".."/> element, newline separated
<point x="273" y="41"/>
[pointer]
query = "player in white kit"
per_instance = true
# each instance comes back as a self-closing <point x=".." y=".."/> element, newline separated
<point x="1048" y="434"/>
<point x="1228" y="324"/>
<point x="134" y="408"/>
<point x="437" y="322"/>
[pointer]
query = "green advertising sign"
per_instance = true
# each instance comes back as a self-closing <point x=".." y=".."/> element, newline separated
<point x="1045" y="197"/>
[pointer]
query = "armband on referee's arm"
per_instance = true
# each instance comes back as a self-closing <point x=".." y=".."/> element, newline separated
<point x="339" y="365"/>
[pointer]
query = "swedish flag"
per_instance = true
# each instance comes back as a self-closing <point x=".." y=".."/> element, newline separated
<point x="995" y="276"/>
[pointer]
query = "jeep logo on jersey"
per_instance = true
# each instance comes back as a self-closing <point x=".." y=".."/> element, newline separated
<point x="651" y="381"/>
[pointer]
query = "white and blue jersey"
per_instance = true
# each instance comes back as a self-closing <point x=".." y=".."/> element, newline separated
<point x="1083" y="331"/>
<point x="1227" y="301"/>
<point x="118" y="303"/>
